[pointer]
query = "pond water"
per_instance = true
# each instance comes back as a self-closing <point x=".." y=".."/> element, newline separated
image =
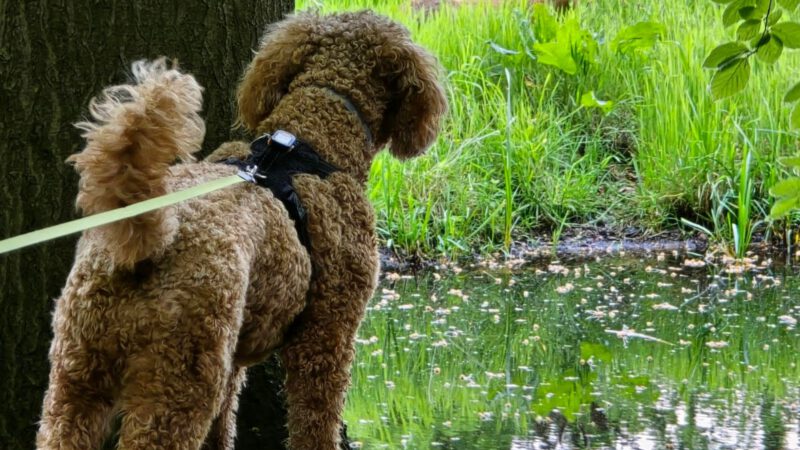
<point x="661" y="353"/>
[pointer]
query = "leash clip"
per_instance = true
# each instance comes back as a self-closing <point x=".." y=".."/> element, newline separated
<point x="280" y="138"/>
<point x="250" y="173"/>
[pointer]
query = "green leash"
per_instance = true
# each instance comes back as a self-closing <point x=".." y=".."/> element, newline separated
<point x="96" y="220"/>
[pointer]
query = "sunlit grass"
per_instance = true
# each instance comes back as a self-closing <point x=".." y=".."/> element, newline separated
<point x="665" y="152"/>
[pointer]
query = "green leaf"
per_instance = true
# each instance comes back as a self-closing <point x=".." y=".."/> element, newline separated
<point x="791" y="161"/>
<point x="582" y="44"/>
<point x="755" y="10"/>
<point x="788" y="33"/>
<point x="793" y="94"/>
<point x="723" y="54"/>
<point x="789" y="4"/>
<point x="781" y="207"/>
<point x="794" y="120"/>
<point x="731" y="14"/>
<point x="557" y="55"/>
<point x="642" y="35"/>
<point x="589" y="100"/>
<point x="572" y="45"/>
<point x="759" y="41"/>
<point x="774" y="17"/>
<point x="730" y="79"/>
<point x="748" y="30"/>
<point x="789" y="187"/>
<point x="722" y="2"/>
<point x="770" y="50"/>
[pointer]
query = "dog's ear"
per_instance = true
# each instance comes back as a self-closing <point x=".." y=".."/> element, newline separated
<point x="280" y="57"/>
<point x="416" y="98"/>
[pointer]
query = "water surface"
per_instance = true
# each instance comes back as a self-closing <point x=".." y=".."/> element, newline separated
<point x="617" y="353"/>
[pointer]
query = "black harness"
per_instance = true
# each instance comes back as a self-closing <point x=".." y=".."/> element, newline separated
<point x="274" y="159"/>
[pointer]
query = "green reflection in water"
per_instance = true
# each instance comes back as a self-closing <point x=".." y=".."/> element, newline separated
<point x="616" y="353"/>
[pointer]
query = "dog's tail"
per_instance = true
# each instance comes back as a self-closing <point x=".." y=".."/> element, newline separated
<point x="138" y="130"/>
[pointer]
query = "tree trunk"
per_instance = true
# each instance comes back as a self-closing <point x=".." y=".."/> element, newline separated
<point x="54" y="56"/>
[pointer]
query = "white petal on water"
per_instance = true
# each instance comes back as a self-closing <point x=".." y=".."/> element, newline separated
<point x="787" y="320"/>
<point x="665" y="307"/>
<point x="626" y="334"/>
<point x="716" y="344"/>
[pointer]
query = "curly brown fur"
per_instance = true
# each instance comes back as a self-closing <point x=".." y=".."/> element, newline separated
<point x="138" y="133"/>
<point x="160" y="332"/>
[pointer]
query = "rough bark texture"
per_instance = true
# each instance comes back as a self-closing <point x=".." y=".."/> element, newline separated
<point x="54" y="56"/>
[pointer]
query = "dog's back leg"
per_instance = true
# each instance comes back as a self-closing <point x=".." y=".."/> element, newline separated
<point x="77" y="407"/>
<point x="171" y="393"/>
<point x="223" y="432"/>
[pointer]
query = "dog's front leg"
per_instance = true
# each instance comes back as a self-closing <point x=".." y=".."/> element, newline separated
<point x="317" y="358"/>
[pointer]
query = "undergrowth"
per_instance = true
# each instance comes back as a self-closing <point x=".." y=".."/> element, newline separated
<point x="530" y="147"/>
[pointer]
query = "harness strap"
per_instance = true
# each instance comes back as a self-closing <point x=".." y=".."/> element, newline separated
<point x="272" y="164"/>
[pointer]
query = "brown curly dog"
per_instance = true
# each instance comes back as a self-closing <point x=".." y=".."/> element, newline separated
<point x="161" y="313"/>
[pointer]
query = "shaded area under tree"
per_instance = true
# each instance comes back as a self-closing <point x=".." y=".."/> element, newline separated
<point x="55" y="56"/>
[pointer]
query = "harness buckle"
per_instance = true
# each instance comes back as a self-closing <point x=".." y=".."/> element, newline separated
<point x="280" y="138"/>
<point x="284" y="139"/>
<point x="250" y="173"/>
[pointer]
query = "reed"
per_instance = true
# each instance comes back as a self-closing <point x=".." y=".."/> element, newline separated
<point x="520" y="156"/>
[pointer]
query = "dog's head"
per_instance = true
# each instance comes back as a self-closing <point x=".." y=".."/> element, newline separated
<point x="368" y="58"/>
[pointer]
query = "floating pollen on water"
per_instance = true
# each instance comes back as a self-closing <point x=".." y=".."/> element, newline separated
<point x="716" y="344"/>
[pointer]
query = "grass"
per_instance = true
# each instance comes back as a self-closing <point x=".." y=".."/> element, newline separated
<point x="520" y="157"/>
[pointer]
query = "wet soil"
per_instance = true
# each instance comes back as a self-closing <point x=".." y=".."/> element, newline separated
<point x="575" y="245"/>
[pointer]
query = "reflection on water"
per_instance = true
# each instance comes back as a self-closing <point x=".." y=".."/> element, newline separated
<point x="617" y="353"/>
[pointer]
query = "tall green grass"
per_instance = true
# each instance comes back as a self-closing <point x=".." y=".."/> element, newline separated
<point x="518" y="156"/>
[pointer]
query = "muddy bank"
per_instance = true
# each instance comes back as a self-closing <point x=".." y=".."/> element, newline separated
<point x="578" y="245"/>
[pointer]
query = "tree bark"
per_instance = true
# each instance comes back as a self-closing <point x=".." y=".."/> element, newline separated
<point x="54" y="56"/>
<point x="262" y="401"/>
